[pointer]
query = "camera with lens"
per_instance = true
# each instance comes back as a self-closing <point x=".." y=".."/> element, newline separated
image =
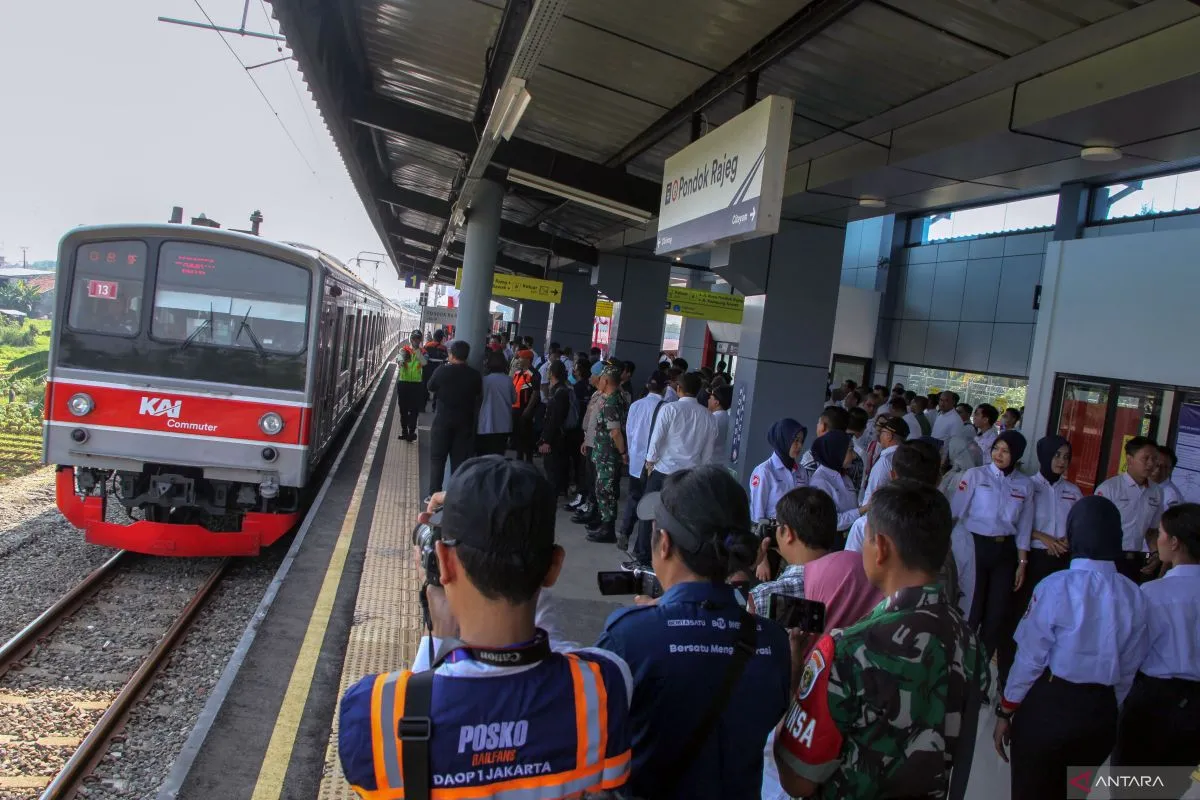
<point x="424" y="536"/>
<point x="765" y="529"/>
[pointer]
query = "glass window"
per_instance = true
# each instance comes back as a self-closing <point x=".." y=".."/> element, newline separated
<point x="971" y="387"/>
<point x="209" y="295"/>
<point x="1033" y="213"/>
<point x="106" y="293"/>
<point x="1147" y="198"/>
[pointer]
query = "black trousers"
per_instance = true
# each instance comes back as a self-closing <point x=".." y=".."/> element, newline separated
<point x="1059" y="724"/>
<point x="1041" y="564"/>
<point x="576" y="475"/>
<point x="636" y="490"/>
<point x="491" y="444"/>
<point x="410" y="396"/>
<point x="457" y="444"/>
<point x="555" y="463"/>
<point x="995" y="571"/>
<point x="645" y="528"/>
<point x="1131" y="566"/>
<point x="523" y="437"/>
<point x="588" y="473"/>
<point x="1160" y="724"/>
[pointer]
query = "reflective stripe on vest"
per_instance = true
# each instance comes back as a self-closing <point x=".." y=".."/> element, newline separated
<point x="592" y="770"/>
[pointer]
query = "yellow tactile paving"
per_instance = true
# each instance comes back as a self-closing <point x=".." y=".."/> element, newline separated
<point x="387" y="615"/>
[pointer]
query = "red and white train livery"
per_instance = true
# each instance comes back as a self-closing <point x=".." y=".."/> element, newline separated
<point x="197" y="377"/>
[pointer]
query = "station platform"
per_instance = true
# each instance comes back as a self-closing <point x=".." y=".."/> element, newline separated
<point x="349" y="607"/>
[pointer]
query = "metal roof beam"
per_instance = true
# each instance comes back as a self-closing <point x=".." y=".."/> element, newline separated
<point x="405" y="119"/>
<point x="803" y="25"/>
<point x="512" y="232"/>
<point x="455" y="250"/>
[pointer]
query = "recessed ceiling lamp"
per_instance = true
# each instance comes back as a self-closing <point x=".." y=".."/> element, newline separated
<point x="872" y="202"/>
<point x="1100" y="154"/>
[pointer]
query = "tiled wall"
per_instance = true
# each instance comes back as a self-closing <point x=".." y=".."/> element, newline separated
<point x="860" y="258"/>
<point x="966" y="305"/>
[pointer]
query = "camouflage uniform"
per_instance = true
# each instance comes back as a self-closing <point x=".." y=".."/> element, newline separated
<point x="880" y="704"/>
<point x="605" y="456"/>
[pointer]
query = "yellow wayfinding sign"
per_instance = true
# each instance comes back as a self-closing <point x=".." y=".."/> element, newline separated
<point x="520" y="287"/>
<point x="604" y="308"/>
<point x="701" y="304"/>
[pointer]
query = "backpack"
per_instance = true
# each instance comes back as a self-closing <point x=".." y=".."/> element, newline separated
<point x="572" y="422"/>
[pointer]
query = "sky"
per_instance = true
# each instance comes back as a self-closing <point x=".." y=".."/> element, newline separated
<point x="107" y="115"/>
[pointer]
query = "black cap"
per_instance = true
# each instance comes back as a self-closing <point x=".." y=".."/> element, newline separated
<point x="896" y="425"/>
<point x="415" y="334"/>
<point x="651" y="509"/>
<point x="485" y="493"/>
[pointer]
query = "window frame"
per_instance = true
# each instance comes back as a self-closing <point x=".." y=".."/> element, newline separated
<point x="70" y="298"/>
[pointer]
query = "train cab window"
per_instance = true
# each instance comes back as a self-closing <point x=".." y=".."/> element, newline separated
<point x="106" y="291"/>
<point x="219" y="296"/>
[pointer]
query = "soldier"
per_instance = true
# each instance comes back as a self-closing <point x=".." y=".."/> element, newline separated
<point x="913" y="656"/>
<point x="609" y="453"/>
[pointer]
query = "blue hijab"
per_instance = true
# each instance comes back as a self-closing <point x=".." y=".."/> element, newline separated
<point x="780" y="437"/>
<point x="1094" y="529"/>
<point x="830" y="450"/>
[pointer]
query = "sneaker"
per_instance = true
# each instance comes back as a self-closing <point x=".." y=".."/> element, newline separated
<point x="577" y="502"/>
<point x="633" y="564"/>
<point x="601" y="536"/>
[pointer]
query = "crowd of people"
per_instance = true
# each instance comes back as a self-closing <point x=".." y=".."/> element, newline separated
<point x="907" y="519"/>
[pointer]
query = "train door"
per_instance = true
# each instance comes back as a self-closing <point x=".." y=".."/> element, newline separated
<point x="324" y="398"/>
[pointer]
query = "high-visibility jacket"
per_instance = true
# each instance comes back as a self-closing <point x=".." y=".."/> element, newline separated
<point x="412" y="371"/>
<point x="523" y="384"/>
<point x="545" y="731"/>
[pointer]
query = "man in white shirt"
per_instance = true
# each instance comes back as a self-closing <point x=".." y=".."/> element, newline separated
<point x="892" y="431"/>
<point x="719" y="400"/>
<point x="984" y="421"/>
<point x="554" y="354"/>
<point x="947" y="420"/>
<point x="643" y="414"/>
<point x="910" y="419"/>
<point x="1139" y="500"/>
<point x="683" y="437"/>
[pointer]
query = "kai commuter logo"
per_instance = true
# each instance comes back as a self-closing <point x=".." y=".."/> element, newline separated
<point x="160" y="407"/>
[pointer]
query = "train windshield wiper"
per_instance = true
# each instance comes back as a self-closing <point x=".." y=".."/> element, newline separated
<point x="206" y="323"/>
<point x="245" y="326"/>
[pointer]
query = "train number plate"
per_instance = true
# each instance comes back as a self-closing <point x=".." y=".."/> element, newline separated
<point x="106" y="290"/>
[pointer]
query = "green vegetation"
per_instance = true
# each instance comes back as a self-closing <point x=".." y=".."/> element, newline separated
<point x="19" y="296"/>
<point x="24" y="356"/>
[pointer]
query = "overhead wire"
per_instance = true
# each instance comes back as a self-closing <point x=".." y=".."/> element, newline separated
<point x="291" y="79"/>
<point x="261" y="93"/>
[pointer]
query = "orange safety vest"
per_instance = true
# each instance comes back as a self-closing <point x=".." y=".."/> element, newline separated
<point x="593" y="770"/>
<point x="521" y="381"/>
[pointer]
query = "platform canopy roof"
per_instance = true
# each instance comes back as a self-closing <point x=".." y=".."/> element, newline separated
<point x="923" y="104"/>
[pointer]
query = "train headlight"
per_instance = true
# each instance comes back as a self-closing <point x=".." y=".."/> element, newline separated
<point x="270" y="423"/>
<point x="81" y="404"/>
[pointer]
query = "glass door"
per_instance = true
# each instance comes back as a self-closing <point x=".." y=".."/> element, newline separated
<point x="1083" y="408"/>
<point x="1135" y="414"/>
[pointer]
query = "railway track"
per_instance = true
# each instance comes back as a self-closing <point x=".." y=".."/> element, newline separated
<point x="44" y="715"/>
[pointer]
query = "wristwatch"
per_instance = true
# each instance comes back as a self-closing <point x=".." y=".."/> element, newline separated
<point x="1002" y="713"/>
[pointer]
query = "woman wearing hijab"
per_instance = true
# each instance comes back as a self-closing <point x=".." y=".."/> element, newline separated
<point x="963" y="454"/>
<point x="994" y="504"/>
<point x="832" y="453"/>
<point x="1078" y="649"/>
<point x="780" y="473"/>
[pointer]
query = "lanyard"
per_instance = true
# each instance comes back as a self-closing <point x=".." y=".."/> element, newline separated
<point x="521" y="655"/>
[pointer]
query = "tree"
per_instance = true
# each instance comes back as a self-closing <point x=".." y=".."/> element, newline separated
<point x="30" y="367"/>
<point x="19" y="295"/>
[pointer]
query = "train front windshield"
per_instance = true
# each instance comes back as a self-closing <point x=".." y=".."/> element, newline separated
<point x="189" y="310"/>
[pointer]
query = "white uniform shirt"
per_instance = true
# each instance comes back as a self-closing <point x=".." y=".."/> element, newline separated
<point x="721" y="447"/>
<point x="1141" y="509"/>
<point x="1051" y="504"/>
<point x="637" y="428"/>
<point x="1086" y="624"/>
<point x="837" y="486"/>
<point x="770" y="481"/>
<point x="914" y="427"/>
<point x="990" y="503"/>
<point x="881" y="473"/>
<point x="670" y="395"/>
<point x="1174" y="612"/>
<point x="683" y="437"/>
<point x="858" y="532"/>
<point x="1171" y="496"/>
<point x="945" y="424"/>
<point x="985" y="441"/>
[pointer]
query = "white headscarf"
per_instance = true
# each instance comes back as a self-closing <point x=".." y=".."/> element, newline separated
<point x="964" y="454"/>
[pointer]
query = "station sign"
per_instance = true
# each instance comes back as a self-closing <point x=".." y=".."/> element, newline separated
<point x="703" y="304"/>
<point x="439" y="316"/>
<point x="604" y="308"/>
<point x="520" y="287"/>
<point x="727" y="186"/>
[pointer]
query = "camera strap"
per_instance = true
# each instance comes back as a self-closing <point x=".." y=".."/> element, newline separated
<point x="416" y="726"/>
<point x="743" y="649"/>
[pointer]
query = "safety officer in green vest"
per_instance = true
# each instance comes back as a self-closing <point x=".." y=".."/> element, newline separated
<point x="410" y="393"/>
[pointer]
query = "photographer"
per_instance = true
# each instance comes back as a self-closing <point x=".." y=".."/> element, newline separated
<point x="710" y="680"/>
<point x="555" y="724"/>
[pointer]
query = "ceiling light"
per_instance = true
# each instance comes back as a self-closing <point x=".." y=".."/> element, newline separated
<point x="1100" y="154"/>
<point x="579" y="196"/>
<point x="871" y="202"/>
<point x="458" y="219"/>
<point x="678" y="259"/>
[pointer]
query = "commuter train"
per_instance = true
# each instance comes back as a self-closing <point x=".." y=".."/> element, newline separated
<point x="197" y="377"/>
